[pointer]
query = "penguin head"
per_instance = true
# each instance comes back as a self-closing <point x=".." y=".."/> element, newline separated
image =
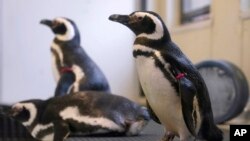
<point x="143" y="23"/>
<point x="25" y="112"/>
<point x="63" y="28"/>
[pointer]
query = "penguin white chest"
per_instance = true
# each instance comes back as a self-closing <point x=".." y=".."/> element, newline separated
<point x="54" y="68"/>
<point x="161" y="95"/>
<point x="152" y="79"/>
<point x="59" y="53"/>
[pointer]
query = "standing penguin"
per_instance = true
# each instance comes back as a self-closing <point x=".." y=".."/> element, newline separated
<point x="173" y="87"/>
<point x="73" y="68"/>
<point x="88" y="112"/>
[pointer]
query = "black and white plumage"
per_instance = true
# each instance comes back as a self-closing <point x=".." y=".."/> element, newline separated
<point x="172" y="85"/>
<point x="87" y="112"/>
<point x="72" y="66"/>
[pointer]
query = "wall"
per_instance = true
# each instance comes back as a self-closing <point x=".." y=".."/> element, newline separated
<point x="225" y="36"/>
<point x="26" y="69"/>
<point x="1" y="46"/>
<point x="246" y="49"/>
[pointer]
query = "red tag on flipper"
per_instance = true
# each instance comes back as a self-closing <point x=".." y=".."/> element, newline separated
<point x="66" y="69"/>
<point x="180" y="75"/>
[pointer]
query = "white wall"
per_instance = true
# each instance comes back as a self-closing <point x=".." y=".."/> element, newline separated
<point x="26" y="67"/>
<point x="1" y="45"/>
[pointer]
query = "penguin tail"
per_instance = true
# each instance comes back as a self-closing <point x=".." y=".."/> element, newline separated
<point x="210" y="132"/>
<point x="215" y="135"/>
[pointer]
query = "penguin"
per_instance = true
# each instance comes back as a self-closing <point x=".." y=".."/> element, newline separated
<point x="88" y="112"/>
<point x="173" y="87"/>
<point x="72" y="66"/>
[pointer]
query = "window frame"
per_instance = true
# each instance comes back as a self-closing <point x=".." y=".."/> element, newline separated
<point x="198" y="14"/>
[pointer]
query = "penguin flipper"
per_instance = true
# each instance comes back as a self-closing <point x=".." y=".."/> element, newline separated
<point x="64" y="83"/>
<point x="150" y="110"/>
<point x="152" y="113"/>
<point x="188" y="92"/>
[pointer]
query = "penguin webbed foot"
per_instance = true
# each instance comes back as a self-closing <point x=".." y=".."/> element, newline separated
<point x="168" y="136"/>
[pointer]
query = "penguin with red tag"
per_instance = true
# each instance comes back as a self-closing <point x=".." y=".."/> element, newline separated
<point x="173" y="87"/>
<point x="73" y="68"/>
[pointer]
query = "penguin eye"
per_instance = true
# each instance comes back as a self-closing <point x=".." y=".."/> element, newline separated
<point x="139" y="18"/>
<point x="55" y="24"/>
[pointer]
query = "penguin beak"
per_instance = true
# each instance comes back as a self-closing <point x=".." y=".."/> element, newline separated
<point x="47" y="22"/>
<point x="123" y="19"/>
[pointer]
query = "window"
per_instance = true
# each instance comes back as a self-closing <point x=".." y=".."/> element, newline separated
<point x="245" y="8"/>
<point x="194" y="10"/>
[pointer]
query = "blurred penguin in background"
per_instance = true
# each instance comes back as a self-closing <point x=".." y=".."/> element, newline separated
<point x="88" y="112"/>
<point x="74" y="70"/>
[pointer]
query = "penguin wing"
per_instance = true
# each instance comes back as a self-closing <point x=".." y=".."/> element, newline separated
<point x="152" y="113"/>
<point x="150" y="110"/>
<point x="64" y="83"/>
<point x="187" y="88"/>
<point x="188" y="92"/>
